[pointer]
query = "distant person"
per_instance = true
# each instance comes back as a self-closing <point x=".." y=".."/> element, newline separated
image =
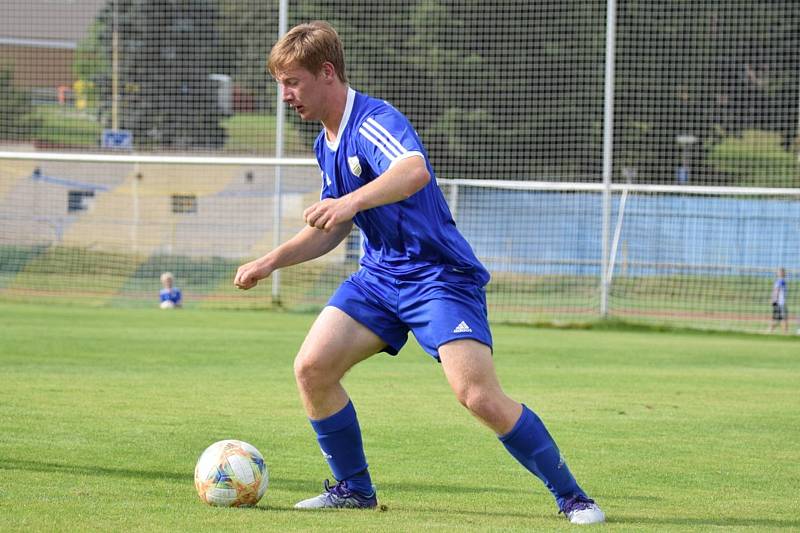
<point x="682" y="175"/>
<point x="780" y="313"/>
<point x="170" y="295"/>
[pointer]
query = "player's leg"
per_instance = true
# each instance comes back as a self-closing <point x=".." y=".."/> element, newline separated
<point x="776" y="313"/>
<point x="470" y="371"/>
<point x="334" y="344"/>
<point x="467" y="364"/>
<point x="360" y="320"/>
<point x="785" y="319"/>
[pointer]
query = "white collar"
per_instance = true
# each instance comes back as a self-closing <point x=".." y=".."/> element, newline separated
<point x="348" y="108"/>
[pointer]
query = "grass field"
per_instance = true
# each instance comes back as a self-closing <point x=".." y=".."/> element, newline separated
<point x="103" y="413"/>
<point x="61" y="274"/>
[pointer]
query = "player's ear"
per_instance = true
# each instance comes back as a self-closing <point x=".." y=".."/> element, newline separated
<point x="328" y="71"/>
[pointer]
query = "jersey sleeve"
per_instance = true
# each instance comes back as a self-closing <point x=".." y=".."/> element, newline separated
<point x="386" y="137"/>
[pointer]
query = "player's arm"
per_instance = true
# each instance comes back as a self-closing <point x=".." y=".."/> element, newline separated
<point x="400" y="181"/>
<point x="309" y="243"/>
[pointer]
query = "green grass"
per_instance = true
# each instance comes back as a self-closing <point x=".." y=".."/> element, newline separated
<point x="70" y="274"/>
<point x="66" y="126"/>
<point x="248" y="133"/>
<point x="103" y="413"/>
<point x="255" y="133"/>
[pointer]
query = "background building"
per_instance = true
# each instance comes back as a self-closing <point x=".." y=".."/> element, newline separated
<point x="39" y="38"/>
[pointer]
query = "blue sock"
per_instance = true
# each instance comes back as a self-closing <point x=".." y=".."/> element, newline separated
<point x="531" y="444"/>
<point x="339" y="438"/>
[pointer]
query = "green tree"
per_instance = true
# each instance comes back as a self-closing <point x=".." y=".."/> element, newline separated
<point x="248" y="28"/>
<point x="708" y="69"/>
<point x="168" y="51"/>
<point x="502" y="89"/>
<point x="495" y="89"/>
<point x="90" y="64"/>
<point x="17" y="118"/>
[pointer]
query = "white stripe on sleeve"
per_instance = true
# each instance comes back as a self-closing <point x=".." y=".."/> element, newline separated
<point x="380" y="137"/>
<point x="407" y="155"/>
<point x="380" y="145"/>
<point x="386" y="134"/>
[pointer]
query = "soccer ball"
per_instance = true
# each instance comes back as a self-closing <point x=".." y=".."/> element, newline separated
<point x="167" y="304"/>
<point x="231" y="473"/>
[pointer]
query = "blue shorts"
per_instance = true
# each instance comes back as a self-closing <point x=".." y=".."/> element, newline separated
<point x="449" y="308"/>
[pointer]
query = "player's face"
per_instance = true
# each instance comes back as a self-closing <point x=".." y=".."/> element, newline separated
<point x="304" y="92"/>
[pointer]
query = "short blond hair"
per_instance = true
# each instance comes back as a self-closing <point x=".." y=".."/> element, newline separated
<point x="167" y="276"/>
<point x="308" y="45"/>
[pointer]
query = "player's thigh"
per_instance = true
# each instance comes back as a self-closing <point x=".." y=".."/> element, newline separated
<point x="334" y="344"/>
<point x="469" y="368"/>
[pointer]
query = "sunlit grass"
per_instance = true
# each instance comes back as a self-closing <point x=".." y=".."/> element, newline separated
<point x="103" y="413"/>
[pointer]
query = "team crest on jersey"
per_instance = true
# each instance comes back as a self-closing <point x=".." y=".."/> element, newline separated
<point x="355" y="165"/>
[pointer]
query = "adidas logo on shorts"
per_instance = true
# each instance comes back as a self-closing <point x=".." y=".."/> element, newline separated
<point x="462" y="328"/>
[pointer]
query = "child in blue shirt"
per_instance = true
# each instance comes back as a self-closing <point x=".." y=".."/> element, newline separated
<point x="169" y="296"/>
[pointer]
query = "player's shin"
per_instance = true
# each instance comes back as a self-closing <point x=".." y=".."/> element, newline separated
<point x="531" y="444"/>
<point x="339" y="438"/>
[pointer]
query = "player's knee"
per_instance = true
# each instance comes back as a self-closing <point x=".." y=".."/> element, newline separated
<point x="485" y="403"/>
<point x="475" y="399"/>
<point x="309" y="372"/>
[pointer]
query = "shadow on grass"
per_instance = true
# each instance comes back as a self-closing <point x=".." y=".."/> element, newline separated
<point x="304" y="486"/>
<point x="439" y="488"/>
<point x="382" y="508"/>
<point x="91" y="470"/>
<point x="287" y="484"/>
<point x="656" y="524"/>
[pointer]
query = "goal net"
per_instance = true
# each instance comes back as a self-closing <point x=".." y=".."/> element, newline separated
<point x="139" y="137"/>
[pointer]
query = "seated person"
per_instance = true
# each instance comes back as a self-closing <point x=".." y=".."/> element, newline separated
<point x="170" y="295"/>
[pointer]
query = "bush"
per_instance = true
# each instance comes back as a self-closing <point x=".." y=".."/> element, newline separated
<point x="17" y="120"/>
<point x="756" y="158"/>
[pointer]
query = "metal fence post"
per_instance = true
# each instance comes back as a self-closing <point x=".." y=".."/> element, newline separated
<point x="279" y="126"/>
<point x="608" y="149"/>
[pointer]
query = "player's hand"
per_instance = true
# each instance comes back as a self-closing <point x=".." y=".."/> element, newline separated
<point x="249" y="274"/>
<point x="329" y="212"/>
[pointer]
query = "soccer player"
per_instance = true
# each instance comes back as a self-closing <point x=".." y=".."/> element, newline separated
<point x="417" y="274"/>
<point x="780" y="313"/>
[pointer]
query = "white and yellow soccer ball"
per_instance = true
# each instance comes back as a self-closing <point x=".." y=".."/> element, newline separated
<point x="231" y="473"/>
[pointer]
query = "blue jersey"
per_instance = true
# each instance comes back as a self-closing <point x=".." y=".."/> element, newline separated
<point x="172" y="295"/>
<point x="413" y="239"/>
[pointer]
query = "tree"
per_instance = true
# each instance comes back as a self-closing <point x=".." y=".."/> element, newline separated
<point x="708" y="69"/>
<point x="168" y="51"/>
<point x="89" y="64"/>
<point x="247" y="30"/>
<point x="17" y="120"/>
<point x="491" y="89"/>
